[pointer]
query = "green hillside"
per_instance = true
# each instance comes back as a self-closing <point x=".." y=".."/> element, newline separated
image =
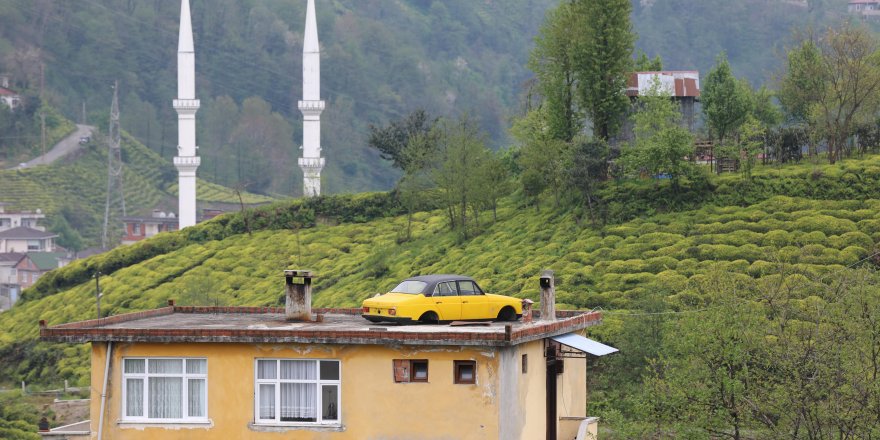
<point x="76" y="187"/>
<point x="614" y="267"/>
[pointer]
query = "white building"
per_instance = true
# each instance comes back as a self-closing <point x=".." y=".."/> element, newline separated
<point x="186" y="104"/>
<point x="311" y="107"/>
<point x="14" y="219"/>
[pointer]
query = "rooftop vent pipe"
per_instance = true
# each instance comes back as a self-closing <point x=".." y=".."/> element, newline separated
<point x="298" y="306"/>
<point x="548" y="296"/>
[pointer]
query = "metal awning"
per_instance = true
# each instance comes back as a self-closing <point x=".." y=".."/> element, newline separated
<point x="585" y="345"/>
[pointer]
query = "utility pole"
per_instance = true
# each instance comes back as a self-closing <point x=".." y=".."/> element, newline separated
<point x="43" y="135"/>
<point x="98" y="294"/>
<point x="83" y="113"/>
<point x="114" y="167"/>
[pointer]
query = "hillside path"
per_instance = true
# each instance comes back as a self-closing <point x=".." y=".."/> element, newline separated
<point x="63" y="148"/>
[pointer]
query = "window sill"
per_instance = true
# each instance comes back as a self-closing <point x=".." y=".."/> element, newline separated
<point x="264" y="427"/>
<point x="143" y="424"/>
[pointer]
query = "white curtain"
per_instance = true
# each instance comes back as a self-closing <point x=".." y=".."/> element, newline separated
<point x="196" y="366"/>
<point x="266" y="369"/>
<point x="196" y="398"/>
<point x="299" y="370"/>
<point x="267" y="401"/>
<point x="134" y="397"/>
<point x="134" y="366"/>
<point x="166" y="396"/>
<point x="299" y="402"/>
<point x="166" y="366"/>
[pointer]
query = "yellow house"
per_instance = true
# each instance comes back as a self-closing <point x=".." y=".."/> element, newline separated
<point x="253" y="373"/>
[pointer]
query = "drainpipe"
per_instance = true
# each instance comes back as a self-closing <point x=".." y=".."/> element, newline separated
<point x="104" y="390"/>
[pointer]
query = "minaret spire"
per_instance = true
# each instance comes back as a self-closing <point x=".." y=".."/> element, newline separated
<point x="311" y="107"/>
<point x="186" y="104"/>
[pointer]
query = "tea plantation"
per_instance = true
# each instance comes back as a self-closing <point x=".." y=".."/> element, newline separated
<point x="613" y="267"/>
<point x="77" y="186"/>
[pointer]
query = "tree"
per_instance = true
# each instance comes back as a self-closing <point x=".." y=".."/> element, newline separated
<point x="661" y="144"/>
<point x="392" y="139"/>
<point x="588" y="168"/>
<point x="726" y="101"/>
<point x="553" y="61"/>
<point x="645" y="64"/>
<point x="850" y="69"/>
<point x="603" y="60"/>
<point x="542" y="157"/>
<point x="750" y="144"/>
<point x="462" y="162"/>
<point x="803" y="82"/>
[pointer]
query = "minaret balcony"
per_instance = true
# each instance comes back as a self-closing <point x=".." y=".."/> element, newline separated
<point x="187" y="104"/>
<point x="311" y="105"/>
<point x="187" y="161"/>
<point x="312" y="163"/>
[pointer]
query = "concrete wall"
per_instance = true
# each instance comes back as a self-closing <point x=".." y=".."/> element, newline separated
<point x="373" y="406"/>
<point x="523" y="395"/>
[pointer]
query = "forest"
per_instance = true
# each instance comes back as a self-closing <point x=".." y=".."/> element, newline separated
<point x="746" y="304"/>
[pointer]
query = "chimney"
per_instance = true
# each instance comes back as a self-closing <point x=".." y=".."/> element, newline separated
<point x="548" y="296"/>
<point x="298" y="306"/>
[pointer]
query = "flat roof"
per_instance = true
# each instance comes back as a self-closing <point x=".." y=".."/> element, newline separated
<point x="188" y="324"/>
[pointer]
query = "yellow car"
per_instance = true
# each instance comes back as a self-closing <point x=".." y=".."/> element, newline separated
<point x="440" y="298"/>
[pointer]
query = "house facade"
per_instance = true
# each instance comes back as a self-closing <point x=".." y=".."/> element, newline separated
<point x="23" y="239"/>
<point x="35" y="264"/>
<point x="255" y="373"/>
<point x="140" y="228"/>
<point x="12" y="219"/>
<point x="866" y="8"/>
<point x="7" y="96"/>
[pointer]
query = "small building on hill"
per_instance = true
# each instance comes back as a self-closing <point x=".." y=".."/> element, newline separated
<point x="12" y="219"/>
<point x="262" y="372"/>
<point x="35" y="264"/>
<point x="7" y="96"/>
<point x="24" y="239"/>
<point x="10" y="290"/>
<point x="140" y="228"/>
<point x="865" y="8"/>
<point x="683" y="86"/>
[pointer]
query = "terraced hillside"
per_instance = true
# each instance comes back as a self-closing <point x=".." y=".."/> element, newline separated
<point x="661" y="255"/>
<point x="78" y="185"/>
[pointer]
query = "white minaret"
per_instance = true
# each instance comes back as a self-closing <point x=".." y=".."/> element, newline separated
<point x="311" y="107"/>
<point x="186" y="105"/>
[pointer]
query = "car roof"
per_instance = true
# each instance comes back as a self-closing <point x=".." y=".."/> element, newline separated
<point x="430" y="279"/>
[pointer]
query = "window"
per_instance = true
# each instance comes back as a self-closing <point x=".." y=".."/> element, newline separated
<point x="465" y="372"/>
<point x="5" y="222"/>
<point x="136" y="229"/>
<point x="165" y="389"/>
<point x="525" y="363"/>
<point x="468" y="288"/>
<point x="446" y="289"/>
<point x="410" y="370"/>
<point x="35" y="245"/>
<point x="297" y="391"/>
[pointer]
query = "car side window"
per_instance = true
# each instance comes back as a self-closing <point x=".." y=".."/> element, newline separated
<point x="445" y="289"/>
<point x="469" y="288"/>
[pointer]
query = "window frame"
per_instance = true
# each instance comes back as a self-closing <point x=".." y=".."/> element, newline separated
<point x="144" y="377"/>
<point x="410" y="364"/>
<point x="277" y="381"/>
<point x="456" y="372"/>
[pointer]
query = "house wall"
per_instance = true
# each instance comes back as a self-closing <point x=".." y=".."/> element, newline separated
<point x="21" y="246"/>
<point x="373" y="406"/>
<point x="523" y="412"/>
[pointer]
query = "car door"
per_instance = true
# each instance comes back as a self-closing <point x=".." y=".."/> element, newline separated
<point x="474" y="305"/>
<point x="447" y="301"/>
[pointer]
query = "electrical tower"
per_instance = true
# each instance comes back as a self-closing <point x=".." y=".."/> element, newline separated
<point x="115" y="193"/>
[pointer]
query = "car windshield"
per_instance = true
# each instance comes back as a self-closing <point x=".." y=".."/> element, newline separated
<point x="410" y="286"/>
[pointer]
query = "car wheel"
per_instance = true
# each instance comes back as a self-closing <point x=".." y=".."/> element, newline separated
<point x="429" y="318"/>
<point x="507" y="314"/>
